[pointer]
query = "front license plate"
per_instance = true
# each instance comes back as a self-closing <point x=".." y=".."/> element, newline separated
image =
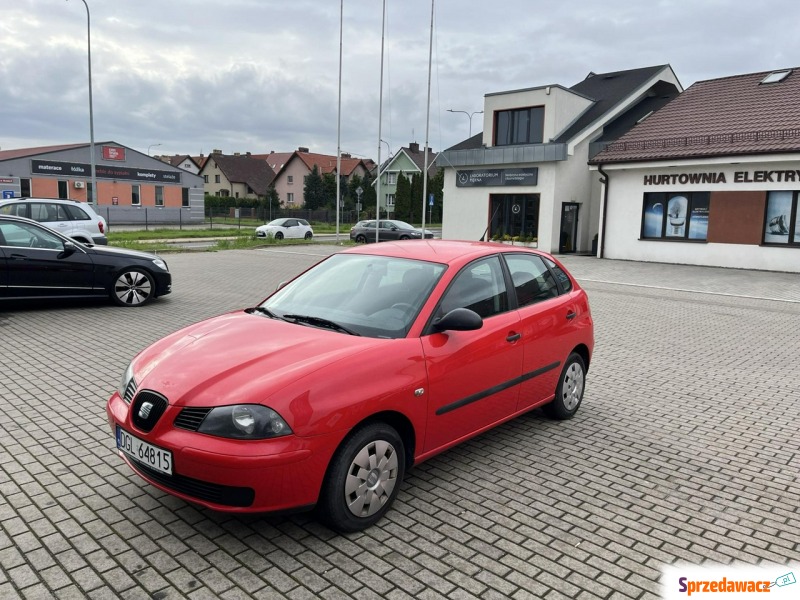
<point x="140" y="451"/>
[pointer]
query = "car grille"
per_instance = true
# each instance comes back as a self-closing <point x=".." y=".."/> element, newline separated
<point x="191" y="418"/>
<point x="144" y="417"/>
<point x="224" y="495"/>
<point x="130" y="391"/>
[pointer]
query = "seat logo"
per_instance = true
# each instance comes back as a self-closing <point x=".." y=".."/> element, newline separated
<point x="144" y="410"/>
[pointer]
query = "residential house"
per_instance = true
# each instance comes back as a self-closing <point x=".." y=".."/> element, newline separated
<point x="290" y="177"/>
<point x="182" y="161"/>
<point x="527" y="175"/>
<point x="237" y="175"/>
<point x="408" y="161"/>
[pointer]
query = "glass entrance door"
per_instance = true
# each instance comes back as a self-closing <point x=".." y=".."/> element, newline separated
<point x="569" y="227"/>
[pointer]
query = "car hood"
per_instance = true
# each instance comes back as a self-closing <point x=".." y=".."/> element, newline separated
<point x="240" y="358"/>
<point x="111" y="251"/>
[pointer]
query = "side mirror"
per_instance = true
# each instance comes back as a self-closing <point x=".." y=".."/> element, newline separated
<point x="459" y="319"/>
<point x="69" y="249"/>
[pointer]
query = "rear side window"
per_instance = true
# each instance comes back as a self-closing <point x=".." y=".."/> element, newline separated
<point x="532" y="280"/>
<point x="76" y="213"/>
<point x="562" y="278"/>
<point x="18" y="210"/>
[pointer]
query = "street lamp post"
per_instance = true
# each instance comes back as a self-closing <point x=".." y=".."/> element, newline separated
<point x="93" y="195"/>
<point x="469" y="116"/>
<point x="151" y="146"/>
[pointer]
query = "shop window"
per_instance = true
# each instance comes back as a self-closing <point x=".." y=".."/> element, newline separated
<point x="185" y="197"/>
<point x="520" y="126"/>
<point x="675" y="216"/>
<point x="136" y="197"/>
<point x="159" y="195"/>
<point x="25" y="188"/>
<point x="514" y="216"/>
<point x="63" y="190"/>
<point x="782" y="222"/>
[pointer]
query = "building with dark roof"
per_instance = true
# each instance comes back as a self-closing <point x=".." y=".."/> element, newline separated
<point x="712" y="178"/>
<point x="526" y="175"/>
<point x="237" y="175"/>
<point x="132" y="187"/>
<point x="408" y="161"/>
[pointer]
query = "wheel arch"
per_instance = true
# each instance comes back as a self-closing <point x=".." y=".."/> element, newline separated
<point x="582" y="350"/>
<point x="399" y="422"/>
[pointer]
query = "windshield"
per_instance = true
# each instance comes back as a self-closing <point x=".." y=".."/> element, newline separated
<point x="373" y="296"/>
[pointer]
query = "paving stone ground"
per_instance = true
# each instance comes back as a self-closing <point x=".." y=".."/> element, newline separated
<point x="685" y="449"/>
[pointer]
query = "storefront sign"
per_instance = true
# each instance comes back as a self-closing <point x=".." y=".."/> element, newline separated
<point x="782" y="176"/>
<point x="113" y="153"/>
<point x="6" y="180"/>
<point x="497" y="177"/>
<point x="64" y="169"/>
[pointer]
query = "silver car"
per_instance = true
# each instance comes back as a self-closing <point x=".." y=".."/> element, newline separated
<point x="71" y="218"/>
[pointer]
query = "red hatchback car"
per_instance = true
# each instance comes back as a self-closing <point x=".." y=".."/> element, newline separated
<point x="375" y="359"/>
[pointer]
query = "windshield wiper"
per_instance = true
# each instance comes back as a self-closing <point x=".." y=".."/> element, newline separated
<point x="320" y="322"/>
<point x="264" y="311"/>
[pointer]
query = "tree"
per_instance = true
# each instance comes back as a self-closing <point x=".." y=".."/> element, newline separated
<point x="402" y="197"/>
<point x="329" y="188"/>
<point x="271" y="203"/>
<point x="313" y="190"/>
<point x="436" y="187"/>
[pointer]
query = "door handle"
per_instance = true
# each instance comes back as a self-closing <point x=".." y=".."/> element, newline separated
<point x="571" y="315"/>
<point x="18" y="257"/>
<point x="513" y="337"/>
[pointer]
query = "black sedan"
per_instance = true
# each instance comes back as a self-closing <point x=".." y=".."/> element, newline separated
<point x="390" y="230"/>
<point x="36" y="262"/>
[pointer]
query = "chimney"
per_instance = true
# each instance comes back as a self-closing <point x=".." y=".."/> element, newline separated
<point x="215" y="151"/>
<point x="346" y="155"/>
<point x="302" y="149"/>
<point x="413" y="147"/>
<point x="247" y="154"/>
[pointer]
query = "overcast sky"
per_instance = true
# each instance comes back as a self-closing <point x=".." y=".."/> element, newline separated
<point x="261" y="75"/>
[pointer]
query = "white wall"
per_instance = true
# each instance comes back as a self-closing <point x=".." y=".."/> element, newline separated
<point x="561" y="107"/>
<point x="624" y="215"/>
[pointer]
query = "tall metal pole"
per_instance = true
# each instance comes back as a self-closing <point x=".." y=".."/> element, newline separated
<point x="427" y="128"/>
<point x="380" y="122"/>
<point x="93" y="195"/>
<point x="339" y="125"/>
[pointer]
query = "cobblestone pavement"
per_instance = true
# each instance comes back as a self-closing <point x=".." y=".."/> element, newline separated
<point x="685" y="449"/>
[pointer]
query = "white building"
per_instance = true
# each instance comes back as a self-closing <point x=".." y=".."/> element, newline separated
<point x="713" y="178"/>
<point x="526" y="175"/>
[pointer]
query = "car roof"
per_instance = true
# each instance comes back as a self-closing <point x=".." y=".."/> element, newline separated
<point x="441" y="251"/>
<point x="69" y="200"/>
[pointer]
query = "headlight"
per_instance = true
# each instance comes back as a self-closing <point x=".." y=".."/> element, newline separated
<point x="127" y="379"/>
<point x="160" y="264"/>
<point x="244" y="422"/>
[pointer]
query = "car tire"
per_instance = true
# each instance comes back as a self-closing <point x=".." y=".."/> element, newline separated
<point x="132" y="287"/>
<point x="309" y="235"/>
<point x="404" y="237"/>
<point x="363" y="478"/>
<point x="361" y="239"/>
<point x="279" y="235"/>
<point x="569" y="391"/>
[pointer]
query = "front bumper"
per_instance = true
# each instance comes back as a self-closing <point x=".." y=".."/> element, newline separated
<point x="225" y="475"/>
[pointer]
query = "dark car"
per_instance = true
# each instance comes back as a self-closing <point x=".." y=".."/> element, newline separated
<point x="363" y="232"/>
<point x="36" y="262"/>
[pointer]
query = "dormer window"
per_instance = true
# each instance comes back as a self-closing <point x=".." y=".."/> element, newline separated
<point x="519" y="126"/>
<point x="776" y="76"/>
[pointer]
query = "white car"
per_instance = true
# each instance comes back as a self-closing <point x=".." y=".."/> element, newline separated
<point x="71" y="218"/>
<point x="286" y="228"/>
